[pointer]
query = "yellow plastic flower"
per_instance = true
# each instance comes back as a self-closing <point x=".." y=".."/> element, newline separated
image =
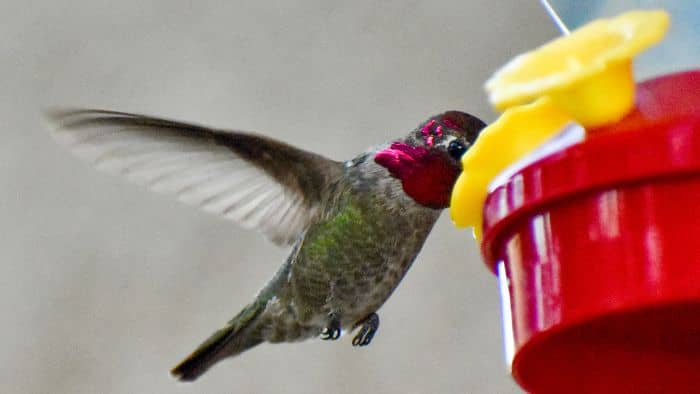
<point x="585" y="77"/>
<point x="519" y="131"/>
<point x="588" y="73"/>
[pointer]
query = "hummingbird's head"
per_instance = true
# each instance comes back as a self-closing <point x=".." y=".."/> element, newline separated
<point x="427" y="161"/>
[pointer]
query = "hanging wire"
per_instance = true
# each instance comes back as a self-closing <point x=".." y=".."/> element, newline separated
<point x="555" y="17"/>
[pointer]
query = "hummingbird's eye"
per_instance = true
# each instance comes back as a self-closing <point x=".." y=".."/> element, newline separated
<point x="456" y="149"/>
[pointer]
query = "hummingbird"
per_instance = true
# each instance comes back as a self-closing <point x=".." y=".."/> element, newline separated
<point x="354" y="227"/>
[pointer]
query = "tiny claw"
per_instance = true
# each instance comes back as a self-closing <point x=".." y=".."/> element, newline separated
<point x="369" y="327"/>
<point x="333" y="331"/>
<point x="330" y="334"/>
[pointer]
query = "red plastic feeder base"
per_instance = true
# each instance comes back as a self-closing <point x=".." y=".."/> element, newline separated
<point x="601" y="248"/>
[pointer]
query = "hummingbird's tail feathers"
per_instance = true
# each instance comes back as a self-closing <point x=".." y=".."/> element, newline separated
<point x="236" y="337"/>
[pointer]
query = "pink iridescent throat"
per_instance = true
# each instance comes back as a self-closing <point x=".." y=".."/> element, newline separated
<point x="426" y="176"/>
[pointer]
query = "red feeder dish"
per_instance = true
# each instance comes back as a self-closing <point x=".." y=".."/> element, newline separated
<point x="601" y="248"/>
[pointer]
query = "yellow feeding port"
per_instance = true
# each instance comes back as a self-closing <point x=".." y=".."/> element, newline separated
<point x="587" y="73"/>
<point x="585" y="77"/>
<point x="519" y="131"/>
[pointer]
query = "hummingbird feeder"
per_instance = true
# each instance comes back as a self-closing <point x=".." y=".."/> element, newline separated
<point x="595" y="233"/>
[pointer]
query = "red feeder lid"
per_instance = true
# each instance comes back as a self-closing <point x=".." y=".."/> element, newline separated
<point x="636" y="148"/>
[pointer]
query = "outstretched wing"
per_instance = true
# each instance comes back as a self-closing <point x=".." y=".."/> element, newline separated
<point x="251" y="179"/>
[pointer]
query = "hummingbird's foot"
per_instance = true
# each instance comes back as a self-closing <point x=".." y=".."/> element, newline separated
<point x="331" y="332"/>
<point x="369" y="327"/>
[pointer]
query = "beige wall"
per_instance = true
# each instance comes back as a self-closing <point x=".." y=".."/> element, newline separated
<point x="104" y="286"/>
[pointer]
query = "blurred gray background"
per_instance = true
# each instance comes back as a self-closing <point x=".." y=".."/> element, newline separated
<point x="104" y="286"/>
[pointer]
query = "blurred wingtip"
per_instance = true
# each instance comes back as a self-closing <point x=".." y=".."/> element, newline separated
<point x="51" y="116"/>
<point x="53" y="119"/>
<point x="56" y="118"/>
<point x="61" y="120"/>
